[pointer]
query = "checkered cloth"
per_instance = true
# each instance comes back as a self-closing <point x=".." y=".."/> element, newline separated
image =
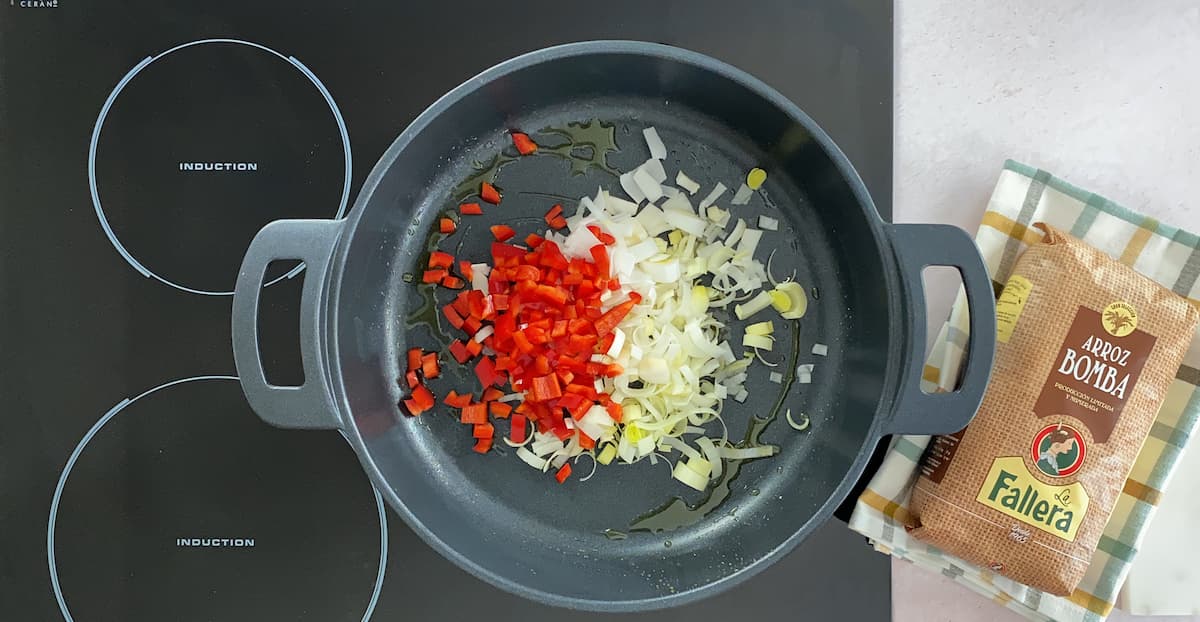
<point x="1168" y="255"/>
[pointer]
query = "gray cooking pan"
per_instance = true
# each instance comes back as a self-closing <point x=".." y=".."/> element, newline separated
<point x="513" y="526"/>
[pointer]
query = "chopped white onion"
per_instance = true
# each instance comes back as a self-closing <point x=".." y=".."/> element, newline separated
<point x="650" y="188"/>
<point x="689" y="476"/>
<point x="776" y="377"/>
<point x="820" y="349"/>
<point x="631" y="188"/>
<point x="746" y="453"/>
<point x="658" y="150"/>
<point x="715" y="194"/>
<point x="685" y="182"/>
<point x="768" y="223"/>
<point x="655" y="169"/>
<point x="742" y="196"/>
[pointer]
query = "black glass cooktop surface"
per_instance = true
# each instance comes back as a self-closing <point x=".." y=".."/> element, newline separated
<point x="141" y="147"/>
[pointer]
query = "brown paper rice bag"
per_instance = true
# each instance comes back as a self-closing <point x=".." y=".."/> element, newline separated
<point x="1086" y="349"/>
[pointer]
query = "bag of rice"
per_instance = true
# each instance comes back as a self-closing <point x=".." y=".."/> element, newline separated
<point x="1086" y="349"/>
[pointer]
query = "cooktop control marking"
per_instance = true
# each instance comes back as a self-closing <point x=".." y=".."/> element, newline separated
<point x="112" y="237"/>
<point x="185" y="542"/>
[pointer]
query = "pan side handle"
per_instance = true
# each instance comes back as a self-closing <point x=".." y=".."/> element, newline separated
<point x="309" y="405"/>
<point x="917" y="247"/>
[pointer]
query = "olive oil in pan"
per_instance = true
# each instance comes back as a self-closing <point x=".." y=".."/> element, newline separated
<point x="676" y="513"/>
<point x="585" y="145"/>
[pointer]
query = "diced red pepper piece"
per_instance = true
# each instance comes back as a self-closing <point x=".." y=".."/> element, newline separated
<point x="600" y="257"/>
<point x="614" y="411"/>
<point x="414" y="359"/>
<point x="471" y="325"/>
<point x="474" y="413"/>
<point x="433" y="276"/>
<point x="544" y="388"/>
<point x="558" y="223"/>
<point x="483" y="445"/>
<point x="411" y="379"/>
<point x="523" y="143"/>
<point x="602" y="235"/>
<point x="563" y="473"/>
<point x="452" y="282"/>
<point x="502" y="233"/>
<point x="452" y="316"/>
<point x="456" y="400"/>
<point x="429" y="366"/>
<point x="585" y="441"/>
<point x="464" y="267"/>
<point x="500" y="251"/>
<point x="554" y="213"/>
<point x="499" y="302"/>
<point x="421" y="400"/>
<point x="500" y="410"/>
<point x="485" y="370"/>
<point x="517" y="431"/>
<point x="484" y="430"/>
<point x="488" y="193"/>
<point x="474" y="348"/>
<point x="534" y="240"/>
<point x="440" y="259"/>
<point x="470" y="209"/>
<point x="446" y="225"/>
<point x="492" y="394"/>
<point x="612" y="317"/>
<point x="459" y="350"/>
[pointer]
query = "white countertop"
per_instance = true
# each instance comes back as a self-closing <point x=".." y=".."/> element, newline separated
<point x="1105" y="94"/>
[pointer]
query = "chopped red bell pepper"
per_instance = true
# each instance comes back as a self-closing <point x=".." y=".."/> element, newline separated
<point x="563" y="473"/>
<point x="554" y="212"/>
<point x="470" y="209"/>
<point x="452" y="316"/>
<point x="492" y="394"/>
<point x="488" y="193"/>
<point x="465" y="268"/>
<point x="484" y="430"/>
<point x="440" y="259"/>
<point x="483" y="445"/>
<point x="457" y="401"/>
<point x="452" y="282"/>
<point x="446" y="225"/>
<point x="502" y="233"/>
<point x="517" y="430"/>
<point x="459" y="350"/>
<point x="411" y="379"/>
<point x="474" y="413"/>
<point x="429" y="366"/>
<point x="599" y="254"/>
<point x="414" y="359"/>
<point x="500" y="410"/>
<point x="433" y="276"/>
<point x="612" y="317"/>
<point x="523" y="143"/>
<point x="485" y="370"/>
<point x="602" y="235"/>
<point x="421" y="401"/>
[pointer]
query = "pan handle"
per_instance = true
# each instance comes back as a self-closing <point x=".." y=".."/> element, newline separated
<point x="309" y="405"/>
<point x="919" y="246"/>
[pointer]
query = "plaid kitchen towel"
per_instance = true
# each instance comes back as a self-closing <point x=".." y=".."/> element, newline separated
<point x="1171" y="256"/>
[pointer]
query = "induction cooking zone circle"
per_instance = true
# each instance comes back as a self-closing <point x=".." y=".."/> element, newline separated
<point x="180" y="503"/>
<point x="198" y="147"/>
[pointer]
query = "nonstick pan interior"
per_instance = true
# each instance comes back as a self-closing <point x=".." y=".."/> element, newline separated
<point x="575" y="544"/>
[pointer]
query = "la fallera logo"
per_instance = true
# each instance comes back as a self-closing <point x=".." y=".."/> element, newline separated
<point x="1058" y="450"/>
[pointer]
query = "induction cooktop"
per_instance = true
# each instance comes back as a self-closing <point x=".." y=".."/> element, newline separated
<point x="142" y="145"/>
